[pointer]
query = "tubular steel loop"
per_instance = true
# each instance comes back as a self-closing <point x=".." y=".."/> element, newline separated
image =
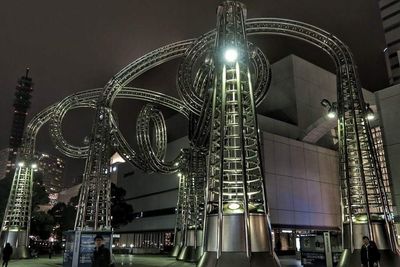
<point x="188" y="86"/>
<point x="154" y="158"/>
<point x="87" y="99"/>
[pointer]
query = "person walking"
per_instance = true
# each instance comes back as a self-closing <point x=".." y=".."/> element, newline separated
<point x="7" y="251"/>
<point x="50" y="251"/>
<point x="101" y="255"/>
<point x="370" y="255"/>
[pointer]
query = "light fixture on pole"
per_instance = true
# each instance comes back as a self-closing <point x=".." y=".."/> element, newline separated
<point x="370" y="113"/>
<point x="332" y="108"/>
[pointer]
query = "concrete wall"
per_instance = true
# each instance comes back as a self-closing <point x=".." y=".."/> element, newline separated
<point x="301" y="179"/>
<point x="388" y="102"/>
<point x="297" y="88"/>
<point x="302" y="183"/>
<point x="148" y="192"/>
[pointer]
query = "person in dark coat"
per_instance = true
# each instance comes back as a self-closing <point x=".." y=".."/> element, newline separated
<point x="7" y="251"/>
<point x="370" y="255"/>
<point x="50" y="251"/>
<point x="101" y="255"/>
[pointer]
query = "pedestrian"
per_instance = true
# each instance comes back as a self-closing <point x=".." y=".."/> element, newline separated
<point x="101" y="255"/>
<point x="370" y="255"/>
<point x="7" y="251"/>
<point x="50" y="251"/>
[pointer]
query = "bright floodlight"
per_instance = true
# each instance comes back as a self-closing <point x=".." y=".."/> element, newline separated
<point x="21" y="164"/>
<point x="331" y="114"/>
<point x="233" y="206"/>
<point x="34" y="166"/>
<point x="370" y="116"/>
<point x="231" y="55"/>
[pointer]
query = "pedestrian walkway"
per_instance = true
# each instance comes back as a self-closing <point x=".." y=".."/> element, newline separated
<point x="289" y="261"/>
<point x="42" y="262"/>
<point x="128" y="260"/>
<point x="146" y="261"/>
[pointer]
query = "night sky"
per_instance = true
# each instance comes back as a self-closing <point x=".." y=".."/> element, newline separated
<point x="77" y="45"/>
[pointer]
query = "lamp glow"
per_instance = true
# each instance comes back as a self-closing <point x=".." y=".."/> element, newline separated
<point x="370" y="117"/>
<point x="34" y="166"/>
<point x="370" y="113"/>
<point x="233" y="206"/>
<point x="231" y="55"/>
<point x="331" y="115"/>
<point x="21" y="164"/>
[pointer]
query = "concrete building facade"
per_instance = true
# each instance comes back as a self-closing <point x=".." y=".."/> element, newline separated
<point x="390" y="14"/>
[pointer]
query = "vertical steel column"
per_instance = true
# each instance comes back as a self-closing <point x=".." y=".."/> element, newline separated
<point x="364" y="200"/>
<point x="17" y="216"/>
<point x="192" y="248"/>
<point x="94" y="208"/>
<point x="236" y="224"/>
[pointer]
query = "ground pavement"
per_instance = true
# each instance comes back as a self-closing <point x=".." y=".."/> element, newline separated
<point x="124" y="260"/>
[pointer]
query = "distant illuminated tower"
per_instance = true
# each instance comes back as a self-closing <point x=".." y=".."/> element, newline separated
<point x="237" y="228"/>
<point x="22" y="103"/>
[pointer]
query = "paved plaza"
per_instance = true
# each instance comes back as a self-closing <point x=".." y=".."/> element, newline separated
<point x="124" y="260"/>
<point x="121" y="260"/>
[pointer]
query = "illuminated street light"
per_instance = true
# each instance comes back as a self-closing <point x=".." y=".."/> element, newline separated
<point x="331" y="113"/>
<point x="332" y="108"/>
<point x="34" y="166"/>
<point x="370" y="113"/>
<point x="21" y="164"/>
<point x="231" y="55"/>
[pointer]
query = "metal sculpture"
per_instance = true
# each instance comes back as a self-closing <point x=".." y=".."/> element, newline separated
<point x="237" y="226"/>
<point x="193" y="209"/>
<point x="217" y="93"/>
<point x="16" y="222"/>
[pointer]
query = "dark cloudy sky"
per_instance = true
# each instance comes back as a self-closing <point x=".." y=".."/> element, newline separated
<point x="76" y="45"/>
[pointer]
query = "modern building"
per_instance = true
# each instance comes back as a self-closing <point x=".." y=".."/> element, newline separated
<point x="390" y="14"/>
<point x="52" y="170"/>
<point x="68" y="193"/>
<point x="4" y="163"/>
<point x="388" y="102"/>
<point x="300" y="163"/>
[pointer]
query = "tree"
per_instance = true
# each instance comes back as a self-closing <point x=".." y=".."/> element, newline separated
<point x="42" y="224"/>
<point x="39" y="194"/>
<point x="63" y="216"/>
<point x="121" y="212"/>
<point x="5" y="185"/>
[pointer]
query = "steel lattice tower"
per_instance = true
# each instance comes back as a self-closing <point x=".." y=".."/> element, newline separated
<point x="17" y="216"/>
<point x="237" y="222"/>
<point x="94" y="207"/>
<point x="191" y="239"/>
<point x="365" y="204"/>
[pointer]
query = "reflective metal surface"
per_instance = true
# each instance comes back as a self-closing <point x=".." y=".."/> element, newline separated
<point x="361" y="229"/>
<point x="219" y="100"/>
<point x="349" y="259"/>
